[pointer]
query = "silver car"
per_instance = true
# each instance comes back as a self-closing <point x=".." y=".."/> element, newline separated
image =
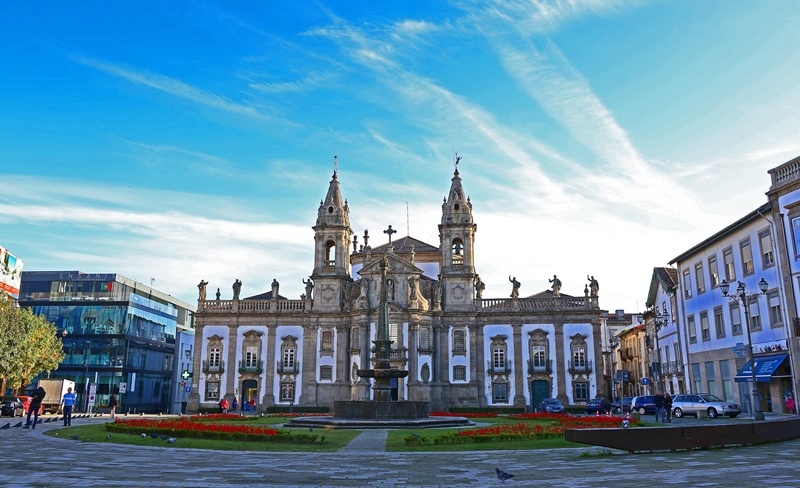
<point x="692" y="404"/>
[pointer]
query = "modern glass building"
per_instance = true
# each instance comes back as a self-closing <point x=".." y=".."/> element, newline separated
<point x="119" y="336"/>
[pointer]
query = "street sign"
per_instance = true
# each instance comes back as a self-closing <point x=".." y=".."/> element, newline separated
<point x="186" y="374"/>
<point x="123" y="387"/>
<point x="188" y="389"/>
<point x="645" y="381"/>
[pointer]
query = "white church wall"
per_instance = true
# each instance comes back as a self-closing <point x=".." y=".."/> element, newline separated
<point x="586" y="330"/>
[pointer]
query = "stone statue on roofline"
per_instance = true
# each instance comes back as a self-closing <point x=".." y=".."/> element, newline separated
<point x="201" y="289"/>
<point x="594" y="286"/>
<point x="514" y="287"/>
<point x="556" y="286"/>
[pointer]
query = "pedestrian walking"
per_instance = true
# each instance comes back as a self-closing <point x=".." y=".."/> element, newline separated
<point x="667" y="408"/>
<point x="789" y="404"/>
<point x="34" y="407"/>
<point x="112" y="404"/>
<point x="224" y="405"/>
<point x="658" y="400"/>
<point x="234" y="404"/>
<point x="67" y="403"/>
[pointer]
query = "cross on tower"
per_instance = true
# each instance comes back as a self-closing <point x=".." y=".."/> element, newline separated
<point x="390" y="231"/>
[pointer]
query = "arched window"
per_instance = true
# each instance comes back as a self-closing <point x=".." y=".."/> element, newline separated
<point x="330" y="253"/>
<point x="326" y="341"/>
<point x="457" y="252"/>
<point x="459" y="342"/>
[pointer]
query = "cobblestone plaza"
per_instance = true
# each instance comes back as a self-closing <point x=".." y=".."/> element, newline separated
<point x="34" y="459"/>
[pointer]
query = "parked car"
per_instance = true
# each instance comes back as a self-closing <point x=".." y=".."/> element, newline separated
<point x="691" y="404"/>
<point x="551" y="405"/>
<point x="11" y="406"/>
<point x="622" y="405"/>
<point x="643" y="404"/>
<point x="598" y="405"/>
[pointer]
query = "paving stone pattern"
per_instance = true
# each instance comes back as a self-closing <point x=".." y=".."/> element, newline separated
<point x="32" y="459"/>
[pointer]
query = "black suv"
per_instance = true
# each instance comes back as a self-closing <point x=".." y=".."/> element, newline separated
<point x="598" y="405"/>
<point x="643" y="404"/>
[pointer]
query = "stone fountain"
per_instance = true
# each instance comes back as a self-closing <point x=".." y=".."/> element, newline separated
<point x="381" y="412"/>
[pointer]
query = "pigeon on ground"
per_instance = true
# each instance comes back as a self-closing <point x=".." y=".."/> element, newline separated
<point x="74" y="438"/>
<point x="171" y="440"/>
<point x="502" y="475"/>
<point x="163" y="437"/>
<point x="154" y="436"/>
<point x="108" y="437"/>
<point x="143" y="435"/>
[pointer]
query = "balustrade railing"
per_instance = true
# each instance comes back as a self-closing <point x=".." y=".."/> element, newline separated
<point x="540" y="366"/>
<point x="785" y="173"/>
<point x="213" y="367"/>
<point x="251" y="366"/>
<point x="287" y="368"/>
<point x="576" y="367"/>
<point x="533" y="304"/>
<point x="499" y="367"/>
<point x="252" y="306"/>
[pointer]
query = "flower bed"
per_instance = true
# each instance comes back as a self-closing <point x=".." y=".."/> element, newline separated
<point x="548" y="427"/>
<point x="205" y="428"/>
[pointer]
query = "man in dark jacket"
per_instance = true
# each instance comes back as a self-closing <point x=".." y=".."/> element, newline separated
<point x="35" y="406"/>
<point x="658" y="400"/>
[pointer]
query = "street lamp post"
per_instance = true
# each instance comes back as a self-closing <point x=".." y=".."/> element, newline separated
<point x="660" y="321"/>
<point x="744" y="298"/>
<point x="614" y="344"/>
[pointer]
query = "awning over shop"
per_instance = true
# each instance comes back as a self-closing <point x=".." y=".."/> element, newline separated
<point x="765" y="368"/>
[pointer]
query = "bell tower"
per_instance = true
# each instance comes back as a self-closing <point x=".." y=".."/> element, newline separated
<point x="332" y="236"/>
<point x="457" y="240"/>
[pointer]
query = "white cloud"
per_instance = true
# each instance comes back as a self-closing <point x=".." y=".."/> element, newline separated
<point x="173" y="87"/>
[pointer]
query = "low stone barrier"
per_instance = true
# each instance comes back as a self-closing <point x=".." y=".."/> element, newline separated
<point x="644" y="439"/>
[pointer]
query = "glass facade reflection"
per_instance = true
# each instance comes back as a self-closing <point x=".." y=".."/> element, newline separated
<point x="116" y="333"/>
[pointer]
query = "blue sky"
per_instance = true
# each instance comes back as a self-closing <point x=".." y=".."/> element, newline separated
<point x="189" y="140"/>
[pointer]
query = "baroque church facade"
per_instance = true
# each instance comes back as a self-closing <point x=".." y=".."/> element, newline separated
<point x="459" y="348"/>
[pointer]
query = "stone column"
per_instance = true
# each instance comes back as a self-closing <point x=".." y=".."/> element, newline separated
<point x="480" y="361"/>
<point x="308" y="365"/>
<point x="269" y="370"/>
<point x="561" y="364"/>
<point x="342" y="353"/>
<point x="413" y="360"/>
<point x="231" y="367"/>
<point x="519" y="371"/>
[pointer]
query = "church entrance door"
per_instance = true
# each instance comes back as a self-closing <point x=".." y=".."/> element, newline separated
<point x="540" y="389"/>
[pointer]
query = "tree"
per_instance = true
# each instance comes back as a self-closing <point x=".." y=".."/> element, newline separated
<point x="28" y="346"/>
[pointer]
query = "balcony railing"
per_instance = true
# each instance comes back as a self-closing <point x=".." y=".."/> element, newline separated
<point x="545" y="367"/>
<point x="576" y="367"/>
<point x="251" y="366"/>
<point x="499" y="367"/>
<point x="287" y="368"/>
<point x="213" y="367"/>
